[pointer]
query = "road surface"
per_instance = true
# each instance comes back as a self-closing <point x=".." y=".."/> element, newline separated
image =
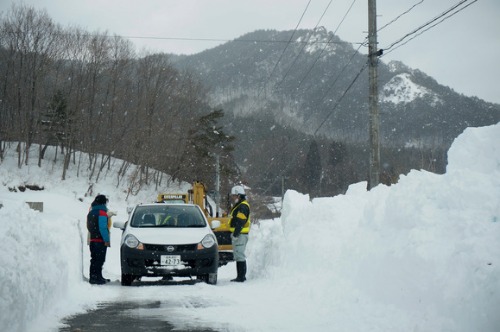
<point x="126" y="316"/>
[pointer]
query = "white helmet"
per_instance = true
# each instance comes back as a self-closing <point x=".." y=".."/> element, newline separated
<point x="237" y="190"/>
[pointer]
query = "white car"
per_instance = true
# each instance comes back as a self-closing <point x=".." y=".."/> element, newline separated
<point x="162" y="239"/>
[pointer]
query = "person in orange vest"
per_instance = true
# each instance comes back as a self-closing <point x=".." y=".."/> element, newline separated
<point x="239" y="225"/>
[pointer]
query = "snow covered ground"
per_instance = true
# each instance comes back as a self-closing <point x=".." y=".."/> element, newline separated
<point x="422" y="255"/>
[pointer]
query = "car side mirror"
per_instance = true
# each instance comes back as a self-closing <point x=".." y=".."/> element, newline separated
<point x="215" y="224"/>
<point x="119" y="224"/>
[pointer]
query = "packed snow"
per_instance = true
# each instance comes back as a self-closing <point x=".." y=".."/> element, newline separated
<point x="421" y="255"/>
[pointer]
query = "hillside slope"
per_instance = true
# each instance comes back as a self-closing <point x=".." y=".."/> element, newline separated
<point x="302" y="83"/>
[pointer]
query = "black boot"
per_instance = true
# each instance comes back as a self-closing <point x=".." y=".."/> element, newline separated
<point x="241" y="269"/>
<point x="94" y="275"/>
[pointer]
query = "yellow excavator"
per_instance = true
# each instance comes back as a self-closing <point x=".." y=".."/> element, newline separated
<point x="198" y="195"/>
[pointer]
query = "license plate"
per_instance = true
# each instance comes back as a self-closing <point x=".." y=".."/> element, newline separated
<point x="170" y="260"/>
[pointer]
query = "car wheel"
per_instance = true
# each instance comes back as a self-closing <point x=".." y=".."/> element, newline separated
<point x="210" y="278"/>
<point x="127" y="279"/>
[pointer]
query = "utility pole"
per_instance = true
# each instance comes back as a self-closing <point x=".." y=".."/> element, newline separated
<point x="217" y="184"/>
<point x="373" y="55"/>
<point x="282" y="187"/>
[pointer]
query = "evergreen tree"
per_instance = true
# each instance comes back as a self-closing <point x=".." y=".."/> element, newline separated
<point x="313" y="169"/>
<point x="337" y="153"/>
<point x="54" y="121"/>
<point x="206" y="140"/>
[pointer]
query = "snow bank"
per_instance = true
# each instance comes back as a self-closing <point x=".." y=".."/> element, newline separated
<point x="31" y="252"/>
<point x="422" y="255"/>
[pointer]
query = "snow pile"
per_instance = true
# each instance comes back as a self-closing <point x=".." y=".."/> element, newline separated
<point x="30" y="252"/>
<point x="422" y="255"/>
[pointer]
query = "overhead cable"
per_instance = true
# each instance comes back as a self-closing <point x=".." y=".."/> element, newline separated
<point x="400" y="15"/>
<point x="323" y="49"/>
<point x="239" y="40"/>
<point x="328" y="42"/>
<point x="322" y="123"/>
<point x="341" y="97"/>
<point x="290" y="40"/>
<point x="304" y="44"/>
<point x="428" y="28"/>
<point x="423" y="26"/>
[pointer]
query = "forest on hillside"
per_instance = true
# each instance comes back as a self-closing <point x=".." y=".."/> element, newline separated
<point x="91" y="92"/>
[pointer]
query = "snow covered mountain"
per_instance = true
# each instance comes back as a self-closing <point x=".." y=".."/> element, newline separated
<point x="316" y="78"/>
<point x="281" y="90"/>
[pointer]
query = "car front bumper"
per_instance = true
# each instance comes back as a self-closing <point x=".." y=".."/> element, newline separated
<point x="147" y="262"/>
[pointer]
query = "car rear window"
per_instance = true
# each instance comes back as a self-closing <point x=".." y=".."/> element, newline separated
<point x="162" y="215"/>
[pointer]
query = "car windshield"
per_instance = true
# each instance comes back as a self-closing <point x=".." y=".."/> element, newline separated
<point x="163" y="215"/>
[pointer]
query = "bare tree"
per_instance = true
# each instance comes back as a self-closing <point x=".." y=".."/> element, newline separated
<point x="90" y="92"/>
<point x="29" y="36"/>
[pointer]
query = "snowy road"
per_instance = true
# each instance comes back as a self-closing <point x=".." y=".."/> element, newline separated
<point x="156" y="305"/>
<point x="123" y="317"/>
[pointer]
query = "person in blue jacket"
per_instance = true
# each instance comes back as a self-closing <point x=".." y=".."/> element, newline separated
<point x="97" y="225"/>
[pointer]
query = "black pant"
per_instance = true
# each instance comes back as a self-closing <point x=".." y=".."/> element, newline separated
<point x="97" y="258"/>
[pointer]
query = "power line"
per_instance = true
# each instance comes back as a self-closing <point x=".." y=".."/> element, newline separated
<point x="426" y="27"/>
<point x="430" y="27"/>
<point x="322" y="99"/>
<point x="290" y="40"/>
<point x="331" y="87"/>
<point x="400" y="15"/>
<point x="446" y="12"/>
<point x="310" y="69"/>
<point x="305" y="44"/>
<point x="276" y="65"/>
<point x="322" y="123"/>
<point x="324" y="12"/>
<point x="239" y="40"/>
<point x="288" y="43"/>
<point x="323" y="49"/>
<point x="341" y="97"/>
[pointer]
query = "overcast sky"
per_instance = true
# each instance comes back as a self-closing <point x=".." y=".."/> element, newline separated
<point x="461" y="52"/>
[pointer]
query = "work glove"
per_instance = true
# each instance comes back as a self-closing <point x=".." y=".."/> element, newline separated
<point x="234" y="238"/>
<point x="112" y="213"/>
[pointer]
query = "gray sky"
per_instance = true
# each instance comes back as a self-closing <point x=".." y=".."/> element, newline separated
<point x="461" y="52"/>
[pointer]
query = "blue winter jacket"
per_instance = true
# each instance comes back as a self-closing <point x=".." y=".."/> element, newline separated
<point x="97" y="223"/>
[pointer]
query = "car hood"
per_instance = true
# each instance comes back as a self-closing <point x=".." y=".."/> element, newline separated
<point x="169" y="235"/>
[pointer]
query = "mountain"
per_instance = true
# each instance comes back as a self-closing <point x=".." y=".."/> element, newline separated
<point x="309" y="84"/>
<point x="301" y="83"/>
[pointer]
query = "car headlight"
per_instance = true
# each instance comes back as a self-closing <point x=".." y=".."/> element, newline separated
<point x="207" y="242"/>
<point x="132" y="242"/>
